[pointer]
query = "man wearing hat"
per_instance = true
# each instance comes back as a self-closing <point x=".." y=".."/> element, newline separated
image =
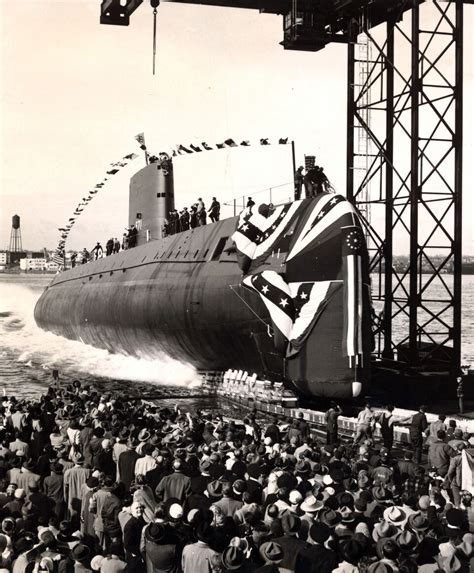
<point x="228" y="504"/>
<point x="316" y="558"/>
<point x="272" y="554"/>
<point x="161" y="548"/>
<point x="26" y="476"/>
<point x="440" y="453"/>
<point x="53" y="487"/>
<point x="197" y="557"/>
<point x="176" y="484"/>
<point x="419" y="424"/>
<point x="126" y="462"/>
<point x="290" y="542"/>
<point x="74" y="479"/>
<point x="147" y="462"/>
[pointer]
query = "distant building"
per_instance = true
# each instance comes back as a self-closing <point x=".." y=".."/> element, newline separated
<point x="33" y="264"/>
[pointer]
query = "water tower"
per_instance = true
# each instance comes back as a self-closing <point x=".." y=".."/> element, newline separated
<point x="15" y="236"/>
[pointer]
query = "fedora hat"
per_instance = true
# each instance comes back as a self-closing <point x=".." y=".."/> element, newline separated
<point x="214" y="488"/>
<point x="144" y="435"/>
<point x="311" y="504"/>
<point x="383" y="530"/>
<point x="233" y="558"/>
<point x="80" y="552"/>
<point x="271" y="552"/>
<point x="155" y="532"/>
<point x="290" y="522"/>
<point x="330" y="517"/>
<point x="395" y="515"/>
<point x="407" y="542"/>
<point x="319" y="532"/>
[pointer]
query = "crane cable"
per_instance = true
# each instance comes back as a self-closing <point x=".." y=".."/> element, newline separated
<point x="154" y="4"/>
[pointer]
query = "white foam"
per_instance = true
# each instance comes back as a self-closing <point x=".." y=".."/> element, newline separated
<point x="20" y="335"/>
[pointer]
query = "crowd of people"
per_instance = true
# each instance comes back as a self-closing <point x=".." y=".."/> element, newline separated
<point x="96" y="482"/>
<point x="112" y="246"/>
<point x="196" y="216"/>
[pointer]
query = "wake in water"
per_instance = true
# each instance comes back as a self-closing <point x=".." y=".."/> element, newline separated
<point x="22" y="341"/>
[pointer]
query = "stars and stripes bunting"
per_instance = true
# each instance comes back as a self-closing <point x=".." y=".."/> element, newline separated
<point x="326" y="212"/>
<point x="352" y="239"/>
<point x="309" y="300"/>
<point x="256" y="234"/>
<point x="275" y="294"/>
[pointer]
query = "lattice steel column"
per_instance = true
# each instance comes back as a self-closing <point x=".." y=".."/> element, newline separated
<point x="415" y="176"/>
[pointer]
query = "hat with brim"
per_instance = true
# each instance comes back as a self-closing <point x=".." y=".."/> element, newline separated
<point x="80" y="552"/>
<point x="214" y="489"/>
<point x="407" y="542"/>
<point x="233" y="558"/>
<point x="144" y="435"/>
<point x="330" y="517"/>
<point x="311" y="504"/>
<point x="395" y="515"/>
<point x="155" y="532"/>
<point x="383" y="530"/>
<point x="271" y="552"/>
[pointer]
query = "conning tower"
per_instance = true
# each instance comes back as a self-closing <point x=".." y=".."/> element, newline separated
<point x="151" y="199"/>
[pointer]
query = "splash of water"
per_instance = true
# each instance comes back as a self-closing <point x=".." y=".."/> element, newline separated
<point x="28" y="344"/>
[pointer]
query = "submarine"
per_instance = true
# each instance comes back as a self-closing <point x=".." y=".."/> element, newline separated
<point x="280" y="291"/>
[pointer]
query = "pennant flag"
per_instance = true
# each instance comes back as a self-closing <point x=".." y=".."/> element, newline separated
<point x="230" y="143"/>
<point x="141" y="140"/>
<point x="245" y="143"/>
<point x="220" y="145"/>
<point x="181" y="148"/>
<point x="264" y="141"/>
<point x="113" y="171"/>
<point x="276" y="296"/>
<point x="352" y="245"/>
<point x="71" y="219"/>
<point x="206" y="146"/>
<point x="195" y="148"/>
<point x="283" y="141"/>
<point x="131" y="156"/>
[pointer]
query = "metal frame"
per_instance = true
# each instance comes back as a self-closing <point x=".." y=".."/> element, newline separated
<point x="413" y="183"/>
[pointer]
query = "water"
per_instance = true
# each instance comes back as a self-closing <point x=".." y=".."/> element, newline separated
<point x="28" y="355"/>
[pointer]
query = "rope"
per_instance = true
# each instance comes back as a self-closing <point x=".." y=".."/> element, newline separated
<point x="269" y="328"/>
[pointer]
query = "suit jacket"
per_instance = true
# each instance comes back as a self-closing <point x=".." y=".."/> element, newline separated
<point x="291" y="546"/>
<point x="316" y="559"/>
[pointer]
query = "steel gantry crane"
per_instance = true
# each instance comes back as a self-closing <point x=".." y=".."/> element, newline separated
<point x="404" y="154"/>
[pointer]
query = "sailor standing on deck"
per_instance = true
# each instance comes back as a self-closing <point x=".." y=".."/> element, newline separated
<point x="98" y="251"/>
<point x="214" y="210"/>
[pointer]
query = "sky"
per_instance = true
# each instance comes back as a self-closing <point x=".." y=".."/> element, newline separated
<point x="75" y="93"/>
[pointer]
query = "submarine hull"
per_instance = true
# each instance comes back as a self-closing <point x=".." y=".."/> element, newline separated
<point x="184" y="296"/>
